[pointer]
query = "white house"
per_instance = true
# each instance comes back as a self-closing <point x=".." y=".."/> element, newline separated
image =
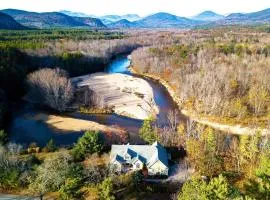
<point x="128" y="157"/>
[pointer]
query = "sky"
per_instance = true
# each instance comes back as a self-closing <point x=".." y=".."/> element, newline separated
<point x="142" y="7"/>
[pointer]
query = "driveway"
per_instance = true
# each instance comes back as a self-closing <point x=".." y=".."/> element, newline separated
<point x="178" y="173"/>
<point x="15" y="197"/>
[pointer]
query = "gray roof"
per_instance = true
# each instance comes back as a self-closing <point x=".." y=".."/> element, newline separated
<point x="148" y="154"/>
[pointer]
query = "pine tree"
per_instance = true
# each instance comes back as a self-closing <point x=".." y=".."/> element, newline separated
<point x="148" y="132"/>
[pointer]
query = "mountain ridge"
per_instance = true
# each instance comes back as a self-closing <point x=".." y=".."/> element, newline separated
<point x="7" y="22"/>
<point x="47" y="19"/>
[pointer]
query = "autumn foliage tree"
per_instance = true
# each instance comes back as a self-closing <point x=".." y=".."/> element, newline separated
<point x="50" y="87"/>
<point x="217" y="188"/>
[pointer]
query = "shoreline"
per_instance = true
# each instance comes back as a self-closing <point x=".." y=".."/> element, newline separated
<point x="234" y="129"/>
<point x="63" y="124"/>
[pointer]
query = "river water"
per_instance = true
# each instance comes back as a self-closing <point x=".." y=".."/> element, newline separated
<point x="25" y="130"/>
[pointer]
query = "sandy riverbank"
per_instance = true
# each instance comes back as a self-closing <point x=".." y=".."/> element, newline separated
<point x="234" y="129"/>
<point x="129" y="96"/>
<point x="67" y="124"/>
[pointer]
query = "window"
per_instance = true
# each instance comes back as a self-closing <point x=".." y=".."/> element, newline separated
<point x="138" y="166"/>
<point x="126" y="157"/>
<point x="115" y="167"/>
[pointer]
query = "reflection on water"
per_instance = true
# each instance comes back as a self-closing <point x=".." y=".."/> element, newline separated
<point x="26" y="130"/>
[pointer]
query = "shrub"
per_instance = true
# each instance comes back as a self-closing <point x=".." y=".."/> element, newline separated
<point x="51" y="174"/>
<point x="106" y="190"/>
<point x="137" y="179"/>
<point x="11" y="167"/>
<point x="50" y="147"/>
<point x="95" y="174"/>
<point x="71" y="189"/>
<point x="3" y="137"/>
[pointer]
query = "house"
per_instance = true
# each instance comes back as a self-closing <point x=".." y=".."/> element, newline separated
<point x="128" y="157"/>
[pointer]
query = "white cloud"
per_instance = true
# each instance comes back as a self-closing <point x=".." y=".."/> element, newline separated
<point x="142" y="7"/>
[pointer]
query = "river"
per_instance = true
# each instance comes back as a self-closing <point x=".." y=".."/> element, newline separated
<point x="25" y="130"/>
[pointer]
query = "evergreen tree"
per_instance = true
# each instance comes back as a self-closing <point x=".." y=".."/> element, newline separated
<point x="91" y="142"/>
<point x="71" y="189"/>
<point x="50" y="147"/>
<point x="148" y="132"/>
<point x="244" y="149"/>
<point x="106" y="190"/>
<point x="259" y="187"/>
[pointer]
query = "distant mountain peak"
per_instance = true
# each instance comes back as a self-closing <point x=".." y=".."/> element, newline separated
<point x="123" y="23"/>
<point x="108" y="19"/>
<point x="162" y="15"/>
<point x="165" y="20"/>
<point x="208" y="15"/>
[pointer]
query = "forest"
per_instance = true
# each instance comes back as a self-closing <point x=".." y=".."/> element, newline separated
<point x="221" y="74"/>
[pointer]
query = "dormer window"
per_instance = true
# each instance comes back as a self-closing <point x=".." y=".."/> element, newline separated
<point x="127" y="157"/>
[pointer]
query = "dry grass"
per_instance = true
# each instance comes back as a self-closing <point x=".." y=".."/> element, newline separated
<point x="97" y="160"/>
<point x="90" y="193"/>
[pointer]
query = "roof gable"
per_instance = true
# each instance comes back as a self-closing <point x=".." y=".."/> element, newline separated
<point x="156" y="162"/>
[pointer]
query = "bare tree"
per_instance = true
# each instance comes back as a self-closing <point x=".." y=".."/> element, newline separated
<point x="50" y="87"/>
<point x="210" y="80"/>
<point x="97" y="100"/>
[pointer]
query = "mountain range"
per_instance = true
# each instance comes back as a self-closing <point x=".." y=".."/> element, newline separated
<point x="52" y="20"/>
<point x="7" y="22"/>
<point x="68" y="19"/>
<point x="106" y="19"/>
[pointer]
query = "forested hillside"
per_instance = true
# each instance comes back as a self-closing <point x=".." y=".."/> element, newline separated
<point x="7" y="22"/>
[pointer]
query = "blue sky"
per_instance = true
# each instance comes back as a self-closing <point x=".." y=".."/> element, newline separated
<point x="141" y="7"/>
